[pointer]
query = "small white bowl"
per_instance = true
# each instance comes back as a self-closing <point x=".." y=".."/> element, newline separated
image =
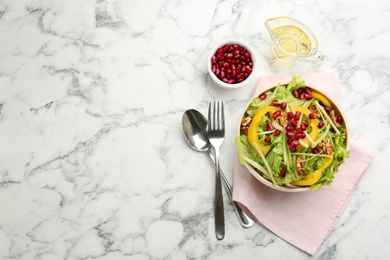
<point x="232" y="85"/>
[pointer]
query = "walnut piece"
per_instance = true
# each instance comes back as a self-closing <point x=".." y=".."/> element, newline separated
<point x="282" y="119"/>
<point x="300" y="165"/>
<point x="245" y="123"/>
<point x="325" y="147"/>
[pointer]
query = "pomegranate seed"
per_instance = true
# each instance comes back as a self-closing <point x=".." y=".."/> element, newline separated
<point x="332" y="130"/>
<point x="267" y="139"/>
<point x="295" y="93"/>
<point x="303" y="127"/>
<point x="289" y="141"/>
<point x="321" y="124"/>
<point x="302" y="95"/>
<point x="303" y="135"/>
<point x="290" y="135"/>
<point x="290" y="114"/>
<point x="263" y="96"/>
<point x="228" y="73"/>
<point x="308" y="96"/>
<point x="308" y="90"/>
<point x="312" y="116"/>
<point x="297" y="115"/>
<point x="327" y="109"/>
<point x="277" y="113"/>
<point x="275" y="103"/>
<point x="283" y="105"/>
<point x="293" y="122"/>
<point x="289" y="128"/>
<point x="277" y="132"/>
<point x="295" y="143"/>
<point x="315" y="151"/>
<point x="339" y="119"/>
<point x="304" y="122"/>
<point x="292" y="148"/>
<point x="282" y="172"/>
<point x="269" y="127"/>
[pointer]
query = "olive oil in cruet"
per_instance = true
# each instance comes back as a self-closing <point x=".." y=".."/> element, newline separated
<point x="292" y="39"/>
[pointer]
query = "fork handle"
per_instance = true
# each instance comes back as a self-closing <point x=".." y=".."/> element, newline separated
<point x="219" y="210"/>
<point x="245" y="220"/>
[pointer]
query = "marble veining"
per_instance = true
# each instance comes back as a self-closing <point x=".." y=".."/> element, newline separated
<point x="93" y="163"/>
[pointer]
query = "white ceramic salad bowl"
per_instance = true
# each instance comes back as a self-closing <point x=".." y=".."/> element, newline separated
<point x="292" y="160"/>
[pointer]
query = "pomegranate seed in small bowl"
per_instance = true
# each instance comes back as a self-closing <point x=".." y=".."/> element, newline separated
<point x="231" y="64"/>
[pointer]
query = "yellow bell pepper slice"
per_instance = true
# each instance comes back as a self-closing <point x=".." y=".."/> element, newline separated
<point x="315" y="176"/>
<point x="252" y="131"/>
<point x="321" y="98"/>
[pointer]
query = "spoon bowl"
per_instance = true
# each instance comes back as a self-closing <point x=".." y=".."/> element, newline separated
<point x="194" y="128"/>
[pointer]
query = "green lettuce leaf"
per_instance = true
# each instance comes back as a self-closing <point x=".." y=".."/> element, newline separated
<point x="296" y="83"/>
<point x="244" y="149"/>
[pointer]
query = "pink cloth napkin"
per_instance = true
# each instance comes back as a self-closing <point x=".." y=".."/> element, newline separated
<point x="303" y="219"/>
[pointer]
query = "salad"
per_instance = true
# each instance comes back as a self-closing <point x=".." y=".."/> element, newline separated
<point x="293" y="136"/>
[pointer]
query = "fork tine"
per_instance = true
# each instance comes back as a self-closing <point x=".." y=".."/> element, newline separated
<point x="209" y="121"/>
<point x="222" y="121"/>
<point x="215" y="119"/>
<point x="218" y="115"/>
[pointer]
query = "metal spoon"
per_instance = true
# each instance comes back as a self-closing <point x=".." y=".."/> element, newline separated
<point x="195" y="133"/>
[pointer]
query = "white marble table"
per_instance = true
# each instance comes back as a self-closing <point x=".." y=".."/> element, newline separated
<point x="93" y="163"/>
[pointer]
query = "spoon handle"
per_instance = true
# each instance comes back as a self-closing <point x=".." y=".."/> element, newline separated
<point x="245" y="220"/>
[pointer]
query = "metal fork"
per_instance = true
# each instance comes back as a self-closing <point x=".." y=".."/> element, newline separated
<point x="216" y="135"/>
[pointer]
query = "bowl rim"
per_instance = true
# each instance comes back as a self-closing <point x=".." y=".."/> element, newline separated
<point x="259" y="176"/>
<point x="220" y="82"/>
